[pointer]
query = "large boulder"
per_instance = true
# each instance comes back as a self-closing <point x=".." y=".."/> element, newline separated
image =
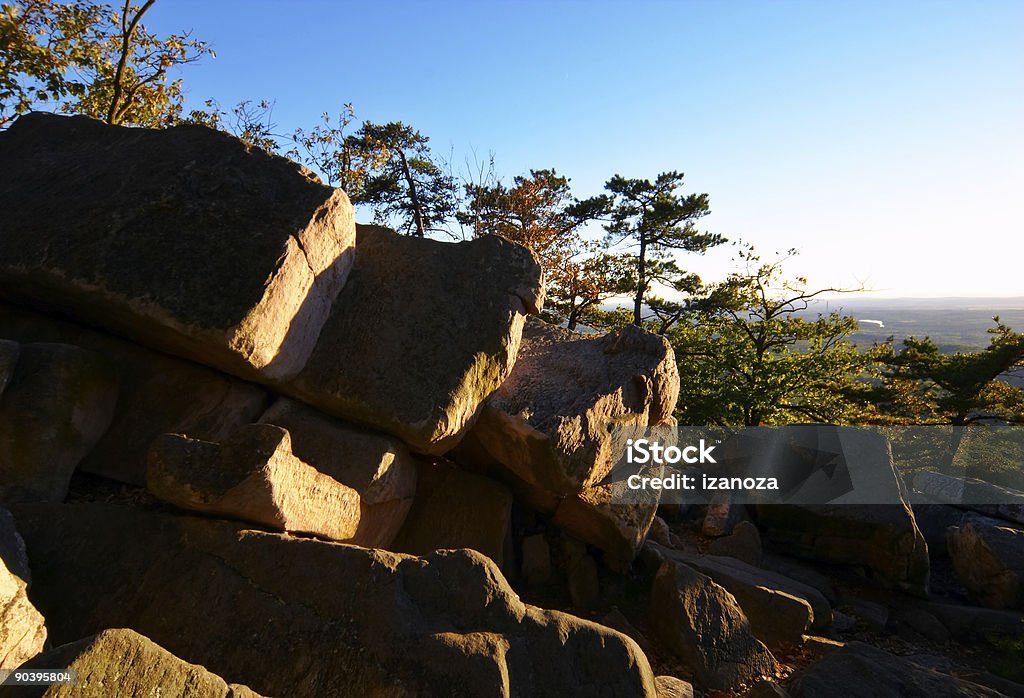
<point x="456" y="509"/>
<point x="253" y="477"/>
<point x="421" y="334"/>
<point x="157" y="394"/>
<point x="300" y="617"/>
<point x="973" y="494"/>
<point x="377" y="466"/>
<point x="121" y="660"/>
<point x="561" y="419"/>
<point x="988" y="557"/>
<point x="703" y="625"/>
<point x="859" y="515"/>
<point x="859" y="670"/>
<point x="185" y="239"/>
<point x="780" y="610"/>
<point x="56" y="405"/>
<point x="22" y="628"/>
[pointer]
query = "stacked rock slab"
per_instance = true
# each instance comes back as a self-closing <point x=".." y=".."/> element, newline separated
<point x="184" y="239"/>
<point x="377" y="466"/>
<point x="557" y="426"/>
<point x="300" y="617"/>
<point x="121" y="660"/>
<point x="56" y="403"/>
<point x="972" y="494"/>
<point x="156" y="394"/>
<point x="422" y="332"/>
<point x="253" y="477"/>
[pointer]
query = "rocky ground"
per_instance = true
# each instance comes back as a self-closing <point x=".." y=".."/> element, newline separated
<point x="248" y="448"/>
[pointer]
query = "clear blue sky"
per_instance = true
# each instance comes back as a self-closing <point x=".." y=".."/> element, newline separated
<point x="885" y="140"/>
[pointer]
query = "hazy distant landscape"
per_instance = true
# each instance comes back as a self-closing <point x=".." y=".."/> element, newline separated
<point x="955" y="324"/>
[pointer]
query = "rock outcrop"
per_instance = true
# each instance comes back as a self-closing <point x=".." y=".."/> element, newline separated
<point x="122" y="661"/>
<point x="156" y="394"/>
<point x="988" y="556"/>
<point x="300" y="617"/>
<point x="184" y="239"/>
<point x="56" y="404"/>
<point x="377" y="466"/>
<point x="253" y="477"/>
<point x="563" y="416"/>
<point x="421" y="334"/>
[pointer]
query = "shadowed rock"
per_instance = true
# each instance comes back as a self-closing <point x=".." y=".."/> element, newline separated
<point x="185" y="239"/>
<point x="300" y="617"/>
<point x="58" y="401"/>
<point x="705" y="628"/>
<point x="988" y="556"/>
<point x="156" y="394"/>
<point x="863" y="671"/>
<point x="456" y="509"/>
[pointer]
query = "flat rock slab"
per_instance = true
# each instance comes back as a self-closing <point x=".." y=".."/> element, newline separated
<point x="972" y="494"/>
<point x="377" y="466"/>
<point x="555" y="421"/>
<point x="156" y="394"/>
<point x="421" y="334"/>
<point x="455" y="509"/>
<point x="299" y="617"/>
<point x="703" y="625"/>
<point x="859" y="670"/>
<point x="22" y="628"/>
<point x="988" y="557"/>
<point x="185" y="239"/>
<point x="58" y="402"/>
<point x="133" y="664"/>
<point x="253" y="477"/>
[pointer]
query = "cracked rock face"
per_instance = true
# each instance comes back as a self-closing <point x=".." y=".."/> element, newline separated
<point x="184" y="239"/>
<point x="299" y="617"/>
<point x="421" y="334"/>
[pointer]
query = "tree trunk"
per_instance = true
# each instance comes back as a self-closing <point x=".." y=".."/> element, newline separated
<point x="417" y="210"/>
<point x="116" y="111"/>
<point x="641" y="282"/>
